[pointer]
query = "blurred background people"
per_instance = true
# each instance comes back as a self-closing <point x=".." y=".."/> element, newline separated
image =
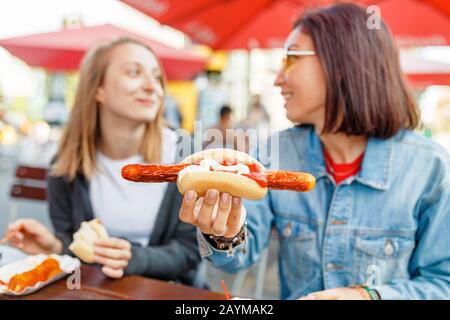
<point x="221" y="134"/>
<point x="172" y="114"/>
<point x="255" y="126"/>
<point x="211" y="99"/>
<point x="257" y="116"/>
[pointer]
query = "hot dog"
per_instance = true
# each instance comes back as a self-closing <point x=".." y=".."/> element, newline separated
<point x="226" y="170"/>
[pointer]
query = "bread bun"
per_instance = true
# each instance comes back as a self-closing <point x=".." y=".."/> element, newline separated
<point x="83" y="240"/>
<point x="200" y="180"/>
<point x="99" y="228"/>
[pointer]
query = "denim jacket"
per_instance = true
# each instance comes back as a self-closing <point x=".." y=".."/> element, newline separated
<point x="389" y="224"/>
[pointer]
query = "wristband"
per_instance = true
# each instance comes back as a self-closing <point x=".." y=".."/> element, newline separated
<point x="223" y="243"/>
<point x="374" y="295"/>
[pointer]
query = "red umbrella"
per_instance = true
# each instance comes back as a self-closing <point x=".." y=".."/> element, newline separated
<point x="236" y="24"/>
<point x="63" y="50"/>
<point x="422" y="73"/>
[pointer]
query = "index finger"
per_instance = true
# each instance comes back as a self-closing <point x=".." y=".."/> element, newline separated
<point x="17" y="225"/>
<point x="187" y="210"/>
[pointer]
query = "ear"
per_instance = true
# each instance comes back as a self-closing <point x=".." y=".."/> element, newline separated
<point x="100" y="94"/>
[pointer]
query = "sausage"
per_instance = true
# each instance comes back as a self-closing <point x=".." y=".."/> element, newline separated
<point x="152" y="172"/>
<point x="290" y="180"/>
<point x="43" y="272"/>
<point x="276" y="179"/>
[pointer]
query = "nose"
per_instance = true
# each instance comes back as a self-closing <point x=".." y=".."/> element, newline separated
<point x="149" y="82"/>
<point x="280" y="78"/>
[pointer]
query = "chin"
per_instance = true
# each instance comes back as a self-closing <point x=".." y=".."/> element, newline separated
<point x="145" y="115"/>
<point x="142" y="118"/>
<point x="148" y="119"/>
<point x="299" y="114"/>
<point x="294" y="117"/>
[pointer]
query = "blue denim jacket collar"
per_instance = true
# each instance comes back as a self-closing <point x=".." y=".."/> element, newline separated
<point x="376" y="165"/>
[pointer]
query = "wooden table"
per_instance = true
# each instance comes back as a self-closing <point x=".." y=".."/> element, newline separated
<point x="95" y="285"/>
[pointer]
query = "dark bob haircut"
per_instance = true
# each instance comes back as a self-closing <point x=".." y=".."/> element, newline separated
<point x="366" y="89"/>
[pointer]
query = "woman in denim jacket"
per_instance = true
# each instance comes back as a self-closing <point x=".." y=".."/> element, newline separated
<point x="377" y="224"/>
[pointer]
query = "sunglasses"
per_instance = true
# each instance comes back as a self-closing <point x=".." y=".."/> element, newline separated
<point x="291" y="56"/>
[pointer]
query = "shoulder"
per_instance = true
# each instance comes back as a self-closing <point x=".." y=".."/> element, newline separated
<point x="303" y="136"/>
<point x="296" y="142"/>
<point x="413" y="139"/>
<point x="417" y="146"/>
<point x="423" y="156"/>
<point x="296" y="133"/>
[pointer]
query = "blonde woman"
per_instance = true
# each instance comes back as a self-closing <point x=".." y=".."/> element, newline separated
<point x="116" y="120"/>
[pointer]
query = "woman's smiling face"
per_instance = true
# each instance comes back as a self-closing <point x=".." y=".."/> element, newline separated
<point x="302" y="83"/>
<point x="132" y="87"/>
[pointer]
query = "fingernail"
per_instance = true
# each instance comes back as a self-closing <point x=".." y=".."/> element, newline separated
<point x="211" y="194"/>
<point x="190" y="195"/>
<point x="224" y="197"/>
<point x="236" y="201"/>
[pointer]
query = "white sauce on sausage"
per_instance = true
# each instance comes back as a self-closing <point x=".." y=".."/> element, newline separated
<point x="209" y="164"/>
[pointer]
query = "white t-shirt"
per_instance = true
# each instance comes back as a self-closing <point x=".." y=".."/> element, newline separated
<point x="128" y="209"/>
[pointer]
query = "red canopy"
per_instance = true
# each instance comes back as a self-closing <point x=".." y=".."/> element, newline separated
<point x="236" y="24"/>
<point x="63" y="50"/>
<point x="422" y="73"/>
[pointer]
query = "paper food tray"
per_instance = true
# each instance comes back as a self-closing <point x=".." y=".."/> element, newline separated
<point x="67" y="264"/>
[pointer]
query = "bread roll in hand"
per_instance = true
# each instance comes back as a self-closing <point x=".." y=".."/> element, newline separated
<point x="83" y="240"/>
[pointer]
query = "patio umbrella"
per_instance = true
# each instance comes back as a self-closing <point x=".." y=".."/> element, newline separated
<point x="422" y="73"/>
<point x="63" y="50"/>
<point x="243" y="24"/>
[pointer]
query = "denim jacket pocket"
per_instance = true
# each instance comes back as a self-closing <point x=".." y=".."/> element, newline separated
<point x="299" y="259"/>
<point x="384" y="257"/>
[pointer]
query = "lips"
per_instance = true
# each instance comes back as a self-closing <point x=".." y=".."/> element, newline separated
<point x="147" y="102"/>
<point x="287" y="95"/>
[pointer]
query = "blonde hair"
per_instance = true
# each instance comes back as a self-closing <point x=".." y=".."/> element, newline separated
<point x="77" y="149"/>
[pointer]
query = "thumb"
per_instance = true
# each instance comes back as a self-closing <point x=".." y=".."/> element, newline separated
<point x="15" y="226"/>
